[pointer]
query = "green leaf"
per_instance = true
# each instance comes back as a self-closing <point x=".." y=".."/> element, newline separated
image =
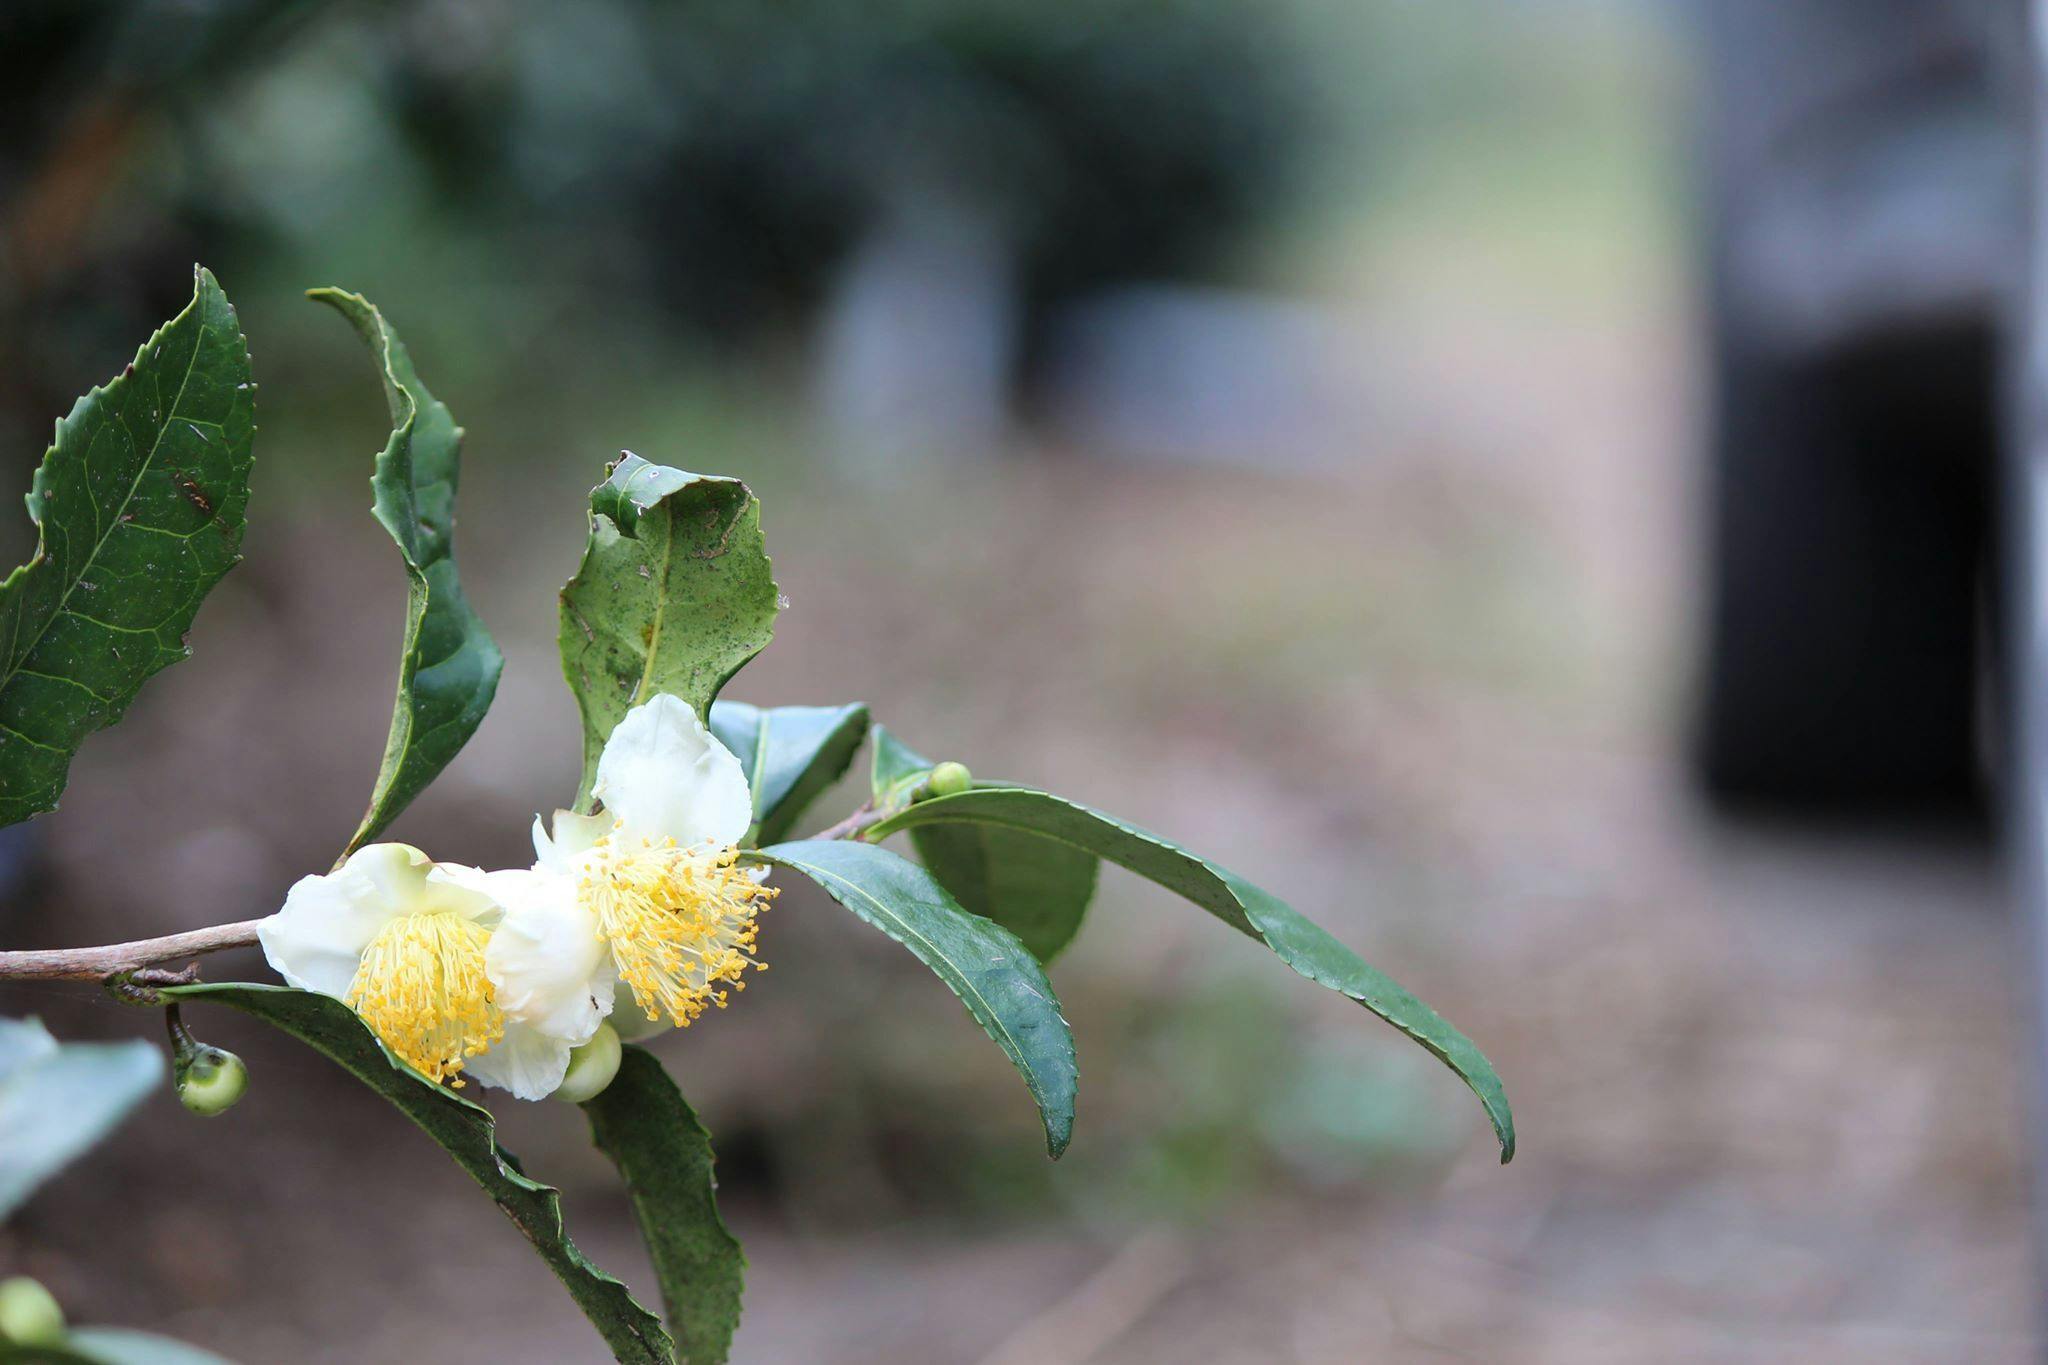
<point x="1303" y="946"/>
<point x="1037" y="889"/>
<point x="643" y="1123"/>
<point x="139" y="508"/>
<point x="467" y="1132"/>
<point x="119" y="1346"/>
<point x="994" y="975"/>
<point x="59" y="1099"/>
<point x="896" y="769"/>
<point x="791" y="754"/>
<point x="448" y="672"/>
<point x="675" y="593"/>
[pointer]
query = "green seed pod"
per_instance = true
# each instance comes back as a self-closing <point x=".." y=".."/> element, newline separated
<point x="949" y="779"/>
<point x="209" y="1079"/>
<point x="28" y="1315"/>
<point x="591" y="1067"/>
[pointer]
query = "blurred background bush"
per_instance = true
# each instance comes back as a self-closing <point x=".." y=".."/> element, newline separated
<point x="1272" y="422"/>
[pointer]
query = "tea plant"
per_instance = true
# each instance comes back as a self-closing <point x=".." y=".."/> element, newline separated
<point x="642" y="906"/>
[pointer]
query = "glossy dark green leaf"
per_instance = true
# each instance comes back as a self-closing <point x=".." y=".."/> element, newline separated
<point x="643" y="1123"/>
<point x="138" y="507"/>
<point x="1036" y="888"/>
<point x="59" y="1099"/>
<point x="791" y="754"/>
<point x="467" y="1132"/>
<point x="448" y="670"/>
<point x="1303" y="946"/>
<point x="994" y="975"/>
<point x="674" y="594"/>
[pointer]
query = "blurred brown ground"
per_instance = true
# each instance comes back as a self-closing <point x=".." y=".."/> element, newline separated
<point x="1766" y="1084"/>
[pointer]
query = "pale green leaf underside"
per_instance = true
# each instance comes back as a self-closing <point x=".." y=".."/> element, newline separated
<point x="119" y="1346"/>
<point x="58" y="1099"/>
<point x="643" y="1123"/>
<point x="468" y="1134"/>
<point x="449" y="666"/>
<point x="674" y="594"/>
<point x="790" y="755"/>
<point x="995" y="976"/>
<point x="139" y="506"/>
<point x="1299" y="943"/>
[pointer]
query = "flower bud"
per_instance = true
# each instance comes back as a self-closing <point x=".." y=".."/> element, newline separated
<point x="28" y="1315"/>
<point x="210" y="1080"/>
<point x="591" y="1067"/>
<point x="949" y="779"/>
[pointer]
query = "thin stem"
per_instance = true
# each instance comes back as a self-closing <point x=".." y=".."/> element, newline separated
<point x="853" y="825"/>
<point x="97" y="964"/>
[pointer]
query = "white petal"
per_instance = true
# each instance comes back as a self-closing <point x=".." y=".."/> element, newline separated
<point x="316" y="941"/>
<point x="547" y="965"/>
<point x="663" y="773"/>
<point x="525" y="1061"/>
<point x="574" y="834"/>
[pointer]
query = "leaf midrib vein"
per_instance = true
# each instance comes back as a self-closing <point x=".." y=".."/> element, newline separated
<point x="164" y="425"/>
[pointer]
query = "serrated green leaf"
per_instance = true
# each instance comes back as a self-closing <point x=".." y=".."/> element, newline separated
<point x="643" y="1123"/>
<point x="59" y="1099"/>
<point x="468" y="1133"/>
<point x="994" y="975"/>
<point x="1299" y="943"/>
<point x="448" y="670"/>
<point x="139" y="509"/>
<point x="790" y="754"/>
<point x="674" y="594"/>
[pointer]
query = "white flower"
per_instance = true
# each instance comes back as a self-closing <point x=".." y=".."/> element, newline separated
<point x="643" y="902"/>
<point x="404" y="944"/>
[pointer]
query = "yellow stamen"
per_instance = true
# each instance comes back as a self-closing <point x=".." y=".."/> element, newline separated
<point x="421" y="988"/>
<point x="680" y="922"/>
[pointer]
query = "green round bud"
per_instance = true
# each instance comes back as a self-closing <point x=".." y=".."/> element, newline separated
<point x="591" y="1067"/>
<point x="210" y="1080"/>
<point x="28" y="1315"/>
<point x="950" y="779"/>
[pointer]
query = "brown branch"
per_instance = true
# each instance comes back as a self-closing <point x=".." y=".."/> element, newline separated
<point x="855" y="824"/>
<point x="97" y="964"/>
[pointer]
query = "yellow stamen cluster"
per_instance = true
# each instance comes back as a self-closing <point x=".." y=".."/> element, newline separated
<point x="421" y="988"/>
<point x="680" y="921"/>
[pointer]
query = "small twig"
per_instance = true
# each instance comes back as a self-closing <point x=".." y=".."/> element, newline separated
<point x="853" y="825"/>
<point x="97" y="964"/>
